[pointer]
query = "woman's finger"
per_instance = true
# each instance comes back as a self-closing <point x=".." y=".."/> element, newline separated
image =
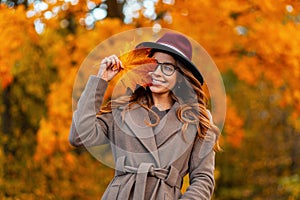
<point x="112" y="62"/>
<point x="115" y="60"/>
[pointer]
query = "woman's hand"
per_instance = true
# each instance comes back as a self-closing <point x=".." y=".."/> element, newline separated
<point x="109" y="67"/>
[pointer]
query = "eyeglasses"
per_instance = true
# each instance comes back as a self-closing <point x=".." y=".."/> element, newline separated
<point x="167" y="68"/>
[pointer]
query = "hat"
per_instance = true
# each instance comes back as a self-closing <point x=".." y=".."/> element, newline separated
<point x="178" y="46"/>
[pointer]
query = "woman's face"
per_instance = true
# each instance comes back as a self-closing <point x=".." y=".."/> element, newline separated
<point x="162" y="83"/>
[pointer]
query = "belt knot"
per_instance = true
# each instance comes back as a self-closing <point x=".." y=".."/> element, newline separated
<point x="170" y="176"/>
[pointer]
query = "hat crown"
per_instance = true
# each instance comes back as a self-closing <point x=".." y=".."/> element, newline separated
<point x="178" y="42"/>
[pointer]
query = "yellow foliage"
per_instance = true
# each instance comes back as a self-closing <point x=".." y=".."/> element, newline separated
<point x="254" y="39"/>
<point x="48" y="140"/>
<point x="13" y="39"/>
<point x="73" y="49"/>
<point x="185" y="184"/>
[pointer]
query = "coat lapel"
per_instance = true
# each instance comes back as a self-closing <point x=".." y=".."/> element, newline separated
<point x="136" y="121"/>
<point x="168" y="126"/>
<point x="171" y="143"/>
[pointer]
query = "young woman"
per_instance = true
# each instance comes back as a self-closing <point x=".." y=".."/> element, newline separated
<point x="158" y="134"/>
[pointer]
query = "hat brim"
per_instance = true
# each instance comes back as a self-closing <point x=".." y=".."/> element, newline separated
<point x="185" y="61"/>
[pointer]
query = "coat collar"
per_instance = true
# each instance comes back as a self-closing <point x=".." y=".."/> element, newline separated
<point x="154" y="138"/>
<point x="150" y="138"/>
<point x="168" y="125"/>
<point x="136" y="119"/>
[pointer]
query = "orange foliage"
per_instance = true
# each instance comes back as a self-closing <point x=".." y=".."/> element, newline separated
<point x="6" y="76"/>
<point x="12" y="40"/>
<point x="254" y="39"/>
<point x="73" y="49"/>
<point x="234" y="132"/>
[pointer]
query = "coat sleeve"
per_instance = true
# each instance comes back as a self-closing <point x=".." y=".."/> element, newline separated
<point x="86" y="128"/>
<point x="201" y="169"/>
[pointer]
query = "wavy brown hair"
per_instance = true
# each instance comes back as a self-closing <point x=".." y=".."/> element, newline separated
<point x="187" y="92"/>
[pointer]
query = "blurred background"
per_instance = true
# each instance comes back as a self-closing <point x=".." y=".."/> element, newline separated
<point x="255" y="45"/>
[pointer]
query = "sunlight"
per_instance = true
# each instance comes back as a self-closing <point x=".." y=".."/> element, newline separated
<point x="99" y="13"/>
<point x="39" y="26"/>
<point x="289" y="8"/>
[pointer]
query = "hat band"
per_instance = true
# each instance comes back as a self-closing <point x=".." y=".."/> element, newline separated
<point x="174" y="48"/>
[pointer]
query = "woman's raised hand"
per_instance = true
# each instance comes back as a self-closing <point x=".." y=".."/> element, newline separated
<point x="109" y="67"/>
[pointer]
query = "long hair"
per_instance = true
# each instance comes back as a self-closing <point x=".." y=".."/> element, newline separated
<point x="188" y="93"/>
<point x="194" y="110"/>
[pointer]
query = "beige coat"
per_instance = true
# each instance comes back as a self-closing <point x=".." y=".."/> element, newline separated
<point x="150" y="162"/>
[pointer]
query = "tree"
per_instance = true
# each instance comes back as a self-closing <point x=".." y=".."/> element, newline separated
<point x="254" y="44"/>
<point x="23" y="93"/>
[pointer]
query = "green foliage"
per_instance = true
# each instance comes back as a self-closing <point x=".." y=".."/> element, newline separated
<point x="290" y="185"/>
<point x="260" y="166"/>
<point x="23" y="103"/>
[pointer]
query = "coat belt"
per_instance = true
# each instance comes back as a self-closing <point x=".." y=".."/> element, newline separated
<point x="170" y="176"/>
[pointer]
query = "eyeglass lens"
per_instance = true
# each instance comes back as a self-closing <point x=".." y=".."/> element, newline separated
<point x="167" y="68"/>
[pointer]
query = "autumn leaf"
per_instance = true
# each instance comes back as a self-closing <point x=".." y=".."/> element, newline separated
<point x="136" y="65"/>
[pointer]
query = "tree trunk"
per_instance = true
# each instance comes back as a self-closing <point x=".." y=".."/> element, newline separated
<point x="6" y="115"/>
<point x="295" y="155"/>
<point x="115" y="9"/>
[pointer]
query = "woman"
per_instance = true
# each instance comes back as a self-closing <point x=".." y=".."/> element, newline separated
<point x="158" y="133"/>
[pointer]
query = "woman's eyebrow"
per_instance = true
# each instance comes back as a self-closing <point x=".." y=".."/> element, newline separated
<point x="164" y="62"/>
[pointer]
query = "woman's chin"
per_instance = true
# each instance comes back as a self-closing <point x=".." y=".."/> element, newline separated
<point x="158" y="89"/>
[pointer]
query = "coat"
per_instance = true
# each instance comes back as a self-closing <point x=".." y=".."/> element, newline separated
<point x="150" y="163"/>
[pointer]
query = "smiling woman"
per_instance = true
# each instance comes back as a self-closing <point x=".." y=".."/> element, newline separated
<point x="158" y="133"/>
<point x="163" y="80"/>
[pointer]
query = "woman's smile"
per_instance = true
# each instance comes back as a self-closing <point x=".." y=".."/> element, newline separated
<point x="157" y="82"/>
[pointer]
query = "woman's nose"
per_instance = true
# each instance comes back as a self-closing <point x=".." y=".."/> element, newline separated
<point x="157" y="70"/>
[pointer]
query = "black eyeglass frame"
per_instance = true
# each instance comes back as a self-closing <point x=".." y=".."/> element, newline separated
<point x="166" y="64"/>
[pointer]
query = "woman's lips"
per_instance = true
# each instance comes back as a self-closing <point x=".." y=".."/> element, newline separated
<point x="157" y="82"/>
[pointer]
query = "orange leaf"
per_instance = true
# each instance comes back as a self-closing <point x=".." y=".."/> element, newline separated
<point x="136" y="65"/>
